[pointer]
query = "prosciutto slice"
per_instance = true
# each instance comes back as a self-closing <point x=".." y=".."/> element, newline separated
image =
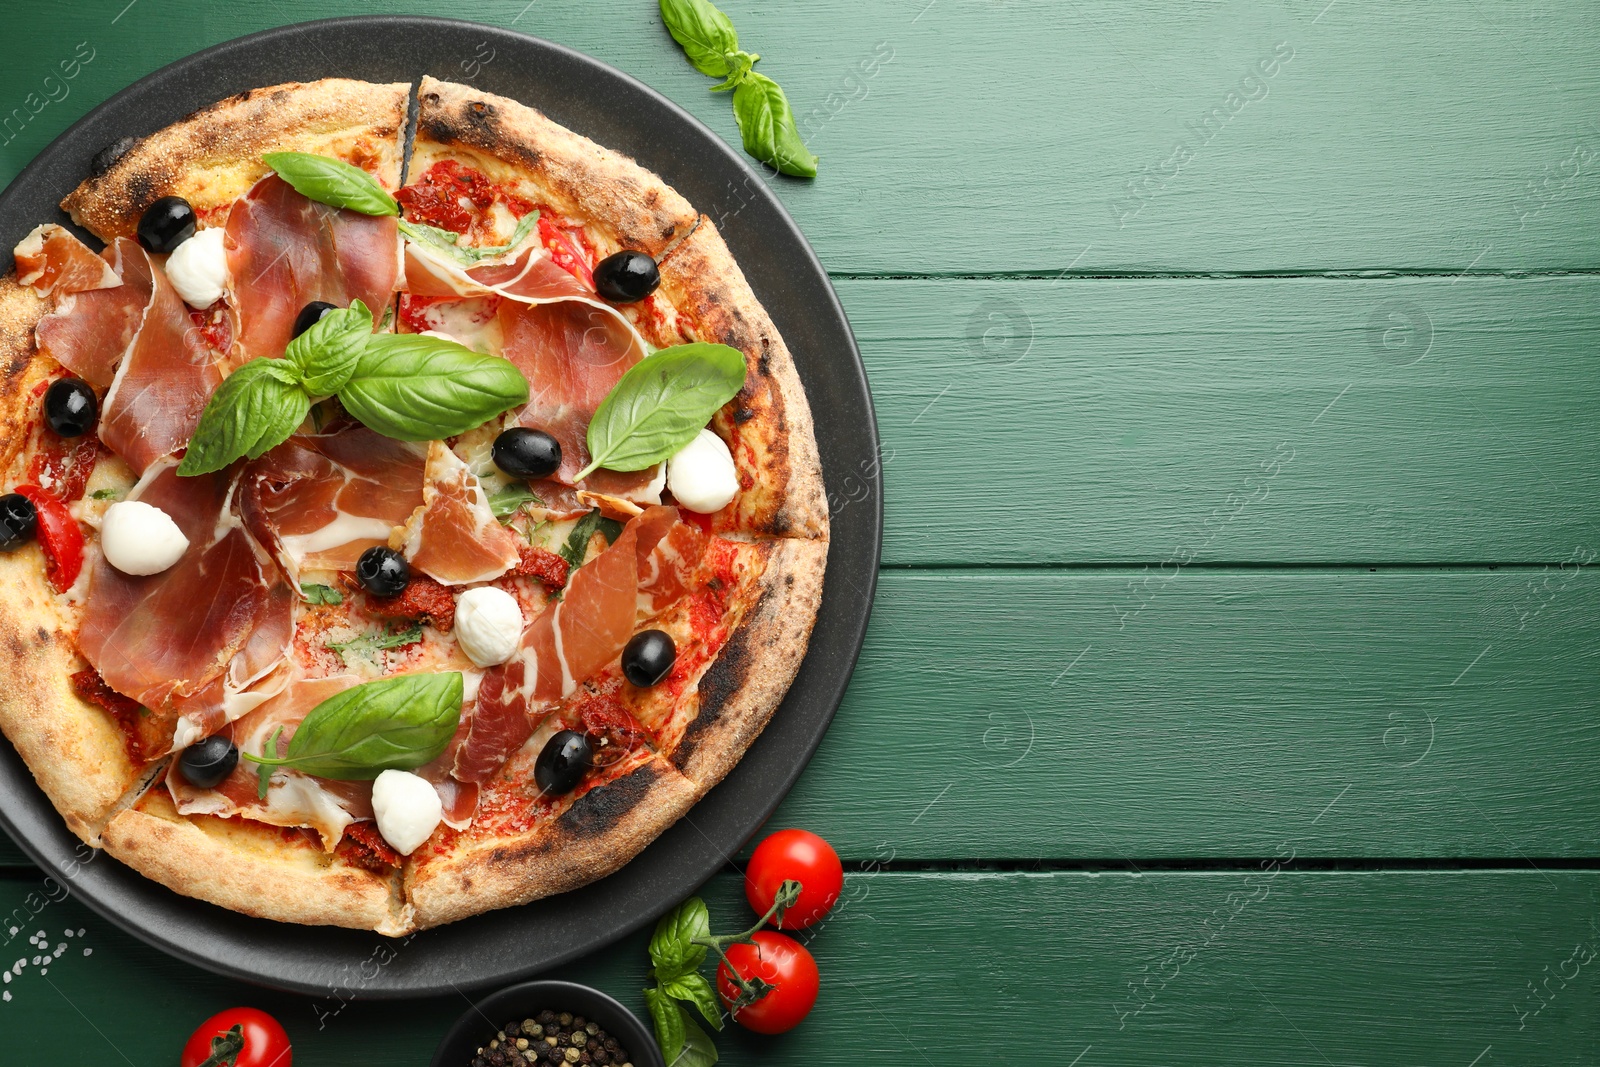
<point x="285" y="251"/>
<point x="645" y="570"/>
<point x="88" y="332"/>
<point x="454" y="538"/>
<point x="318" y="501"/>
<point x="190" y="642"/>
<point x="52" y="259"/>
<point x="166" y="375"/>
<point x="527" y="274"/>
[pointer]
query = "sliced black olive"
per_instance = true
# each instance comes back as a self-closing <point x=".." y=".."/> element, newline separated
<point x="562" y="764"/>
<point x="18" y="520"/>
<point x="206" y="763"/>
<point x="166" y="224"/>
<point x="70" y="407"/>
<point x="648" y="657"/>
<point x="311" y="314"/>
<point x="383" y="572"/>
<point x="525" y="453"/>
<point x="625" y="277"/>
<point x="107" y="157"/>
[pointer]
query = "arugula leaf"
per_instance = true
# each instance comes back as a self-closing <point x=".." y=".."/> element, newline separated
<point x="106" y="494"/>
<point x="392" y="724"/>
<point x="698" y="1048"/>
<point x="672" y="950"/>
<point x="333" y="182"/>
<point x="767" y="125"/>
<point x="447" y="241"/>
<point x="704" y="33"/>
<point x="256" y="407"/>
<point x="321" y="594"/>
<point x="577" y="547"/>
<point x="393" y="638"/>
<point x="508" y="501"/>
<point x="669" y="1023"/>
<point x="694" y="988"/>
<point x="660" y="404"/>
<point x="326" y="354"/>
<point x="416" y="388"/>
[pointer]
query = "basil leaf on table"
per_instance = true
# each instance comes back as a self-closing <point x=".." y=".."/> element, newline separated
<point x="668" y="1019"/>
<point x="256" y="407"/>
<point x="704" y="33"/>
<point x="326" y="354"/>
<point x="698" y="1049"/>
<point x="392" y="724"/>
<point x="332" y="181"/>
<point x="767" y="125"/>
<point x="447" y="242"/>
<point x="672" y="950"/>
<point x="416" y="388"/>
<point x="694" y="988"/>
<point x="660" y="404"/>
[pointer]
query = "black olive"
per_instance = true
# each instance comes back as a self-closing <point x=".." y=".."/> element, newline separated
<point x="626" y="277"/>
<point x="70" y="407"/>
<point x="525" y="453"/>
<point x="383" y="572"/>
<point x="311" y="314"/>
<point x="206" y="763"/>
<point x="166" y="224"/>
<point x="648" y="657"/>
<point x="563" y="762"/>
<point x="18" y="520"/>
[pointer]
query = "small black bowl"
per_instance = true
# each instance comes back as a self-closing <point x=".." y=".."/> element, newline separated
<point x="484" y="1019"/>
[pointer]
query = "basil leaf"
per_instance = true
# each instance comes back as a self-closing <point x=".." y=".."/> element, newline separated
<point x="508" y="501"/>
<point x="739" y="64"/>
<point x="659" y="405"/>
<point x="326" y="354"/>
<point x="321" y="594"/>
<point x="672" y="950"/>
<point x="698" y="1048"/>
<point x="668" y="1019"/>
<point x="576" y="550"/>
<point x="447" y="241"/>
<point x="256" y="407"/>
<point x="694" y="988"/>
<point x="704" y="33"/>
<point x="391" y="724"/>
<point x="264" y="772"/>
<point x="416" y="388"/>
<point x="333" y="182"/>
<point x="768" y="128"/>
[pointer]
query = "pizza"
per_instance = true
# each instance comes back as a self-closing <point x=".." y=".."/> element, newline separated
<point x="396" y="529"/>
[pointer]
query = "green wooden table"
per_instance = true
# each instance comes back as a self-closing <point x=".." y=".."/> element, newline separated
<point x="1237" y="367"/>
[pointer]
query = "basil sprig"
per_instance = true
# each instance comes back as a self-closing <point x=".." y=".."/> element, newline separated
<point x="406" y="386"/>
<point x="333" y="182"/>
<point x="395" y="723"/>
<point x="660" y="404"/>
<point x="766" y="122"/>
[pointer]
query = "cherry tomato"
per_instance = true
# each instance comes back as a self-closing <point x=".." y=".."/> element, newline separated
<point x="781" y="960"/>
<point x="59" y="535"/>
<point x="804" y="857"/>
<point x="265" y="1043"/>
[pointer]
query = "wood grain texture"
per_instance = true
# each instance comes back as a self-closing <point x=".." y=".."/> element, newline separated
<point x="1281" y="967"/>
<point x="1006" y="137"/>
<point x="1210" y="713"/>
<point x="1289" y="420"/>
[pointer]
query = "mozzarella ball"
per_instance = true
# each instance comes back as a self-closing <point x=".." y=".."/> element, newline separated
<point x="198" y="268"/>
<point x="407" y="809"/>
<point x="488" y="625"/>
<point x="702" y="476"/>
<point x="138" y="538"/>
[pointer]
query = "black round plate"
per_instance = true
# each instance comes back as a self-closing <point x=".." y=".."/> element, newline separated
<point x="623" y="114"/>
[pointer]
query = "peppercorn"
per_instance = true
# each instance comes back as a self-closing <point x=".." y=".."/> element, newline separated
<point x="592" y="1028"/>
<point x="572" y="1055"/>
<point x="578" y="1039"/>
<point x="565" y="1018"/>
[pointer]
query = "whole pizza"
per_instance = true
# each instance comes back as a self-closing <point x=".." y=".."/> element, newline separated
<point x="394" y="528"/>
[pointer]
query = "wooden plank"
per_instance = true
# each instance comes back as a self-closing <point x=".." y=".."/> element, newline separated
<point x="1244" y="420"/>
<point x="1283" y="967"/>
<point x="1035" y="136"/>
<point x="1204" y="712"/>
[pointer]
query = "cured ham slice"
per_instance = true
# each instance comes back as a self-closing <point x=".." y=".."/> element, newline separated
<point x="639" y="575"/>
<point x="285" y="251"/>
<point x="166" y="376"/>
<point x="318" y="501"/>
<point x="527" y="274"/>
<point x="89" y="331"/>
<point x="454" y="537"/>
<point x="52" y="259"/>
<point x="190" y="642"/>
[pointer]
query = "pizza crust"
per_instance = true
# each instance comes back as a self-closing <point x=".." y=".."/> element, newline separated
<point x="252" y="869"/>
<point x="213" y="157"/>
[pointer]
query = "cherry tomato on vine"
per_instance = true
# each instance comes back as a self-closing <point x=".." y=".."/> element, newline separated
<point x="265" y="1043"/>
<point x="804" y="857"/>
<point x="785" y="963"/>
